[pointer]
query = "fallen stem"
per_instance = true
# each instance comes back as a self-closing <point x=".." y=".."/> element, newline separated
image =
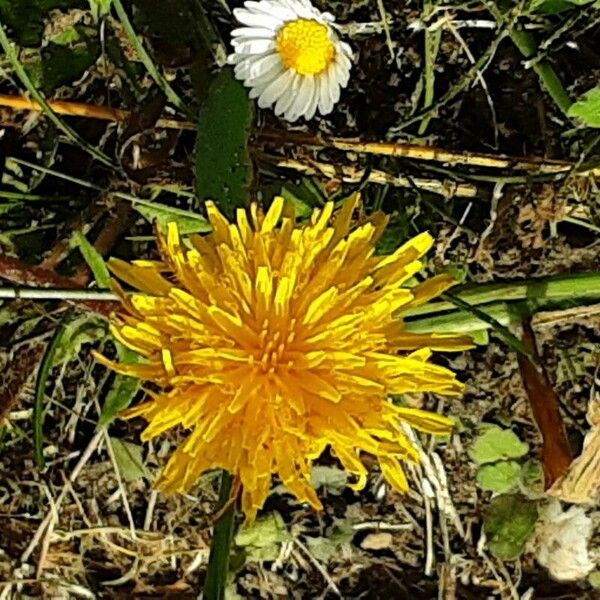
<point x="57" y="294"/>
<point x="530" y="165"/>
<point x="424" y="153"/>
<point x="349" y="174"/>
<point x="89" y="111"/>
<point x="575" y="288"/>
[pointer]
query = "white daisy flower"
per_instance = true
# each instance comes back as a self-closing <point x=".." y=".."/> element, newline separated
<point x="291" y="57"/>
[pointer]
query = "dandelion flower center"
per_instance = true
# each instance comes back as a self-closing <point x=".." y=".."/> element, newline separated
<point x="305" y="46"/>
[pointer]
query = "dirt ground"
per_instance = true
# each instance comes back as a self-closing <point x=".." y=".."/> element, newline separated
<point x="88" y="523"/>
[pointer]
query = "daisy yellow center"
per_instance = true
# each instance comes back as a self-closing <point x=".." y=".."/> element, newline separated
<point x="305" y="46"/>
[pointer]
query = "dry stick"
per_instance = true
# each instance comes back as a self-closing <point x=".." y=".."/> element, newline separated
<point x="577" y="314"/>
<point x="425" y="153"/>
<point x="123" y="492"/>
<point x="322" y="570"/>
<point x="396" y="149"/>
<point x="349" y="174"/>
<point x="90" y="111"/>
<point x="63" y="288"/>
<point x="87" y="453"/>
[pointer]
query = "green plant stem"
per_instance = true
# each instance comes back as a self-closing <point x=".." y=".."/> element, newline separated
<point x="203" y="224"/>
<point x="220" y="550"/>
<point x="576" y="289"/>
<point x="496" y="306"/>
<point x="504" y="332"/>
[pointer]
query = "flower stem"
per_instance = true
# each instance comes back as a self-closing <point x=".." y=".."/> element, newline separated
<point x="218" y="562"/>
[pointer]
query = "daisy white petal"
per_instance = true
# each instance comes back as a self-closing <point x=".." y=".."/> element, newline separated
<point x="305" y="56"/>
<point x="301" y="100"/>
<point x="253" y="45"/>
<point x="252" y="32"/>
<point x="252" y="19"/>
<point x="286" y="100"/>
<point x="275" y="89"/>
<point x="312" y="106"/>
<point x="325" y="102"/>
<point x="255" y="66"/>
<point x="266" y="77"/>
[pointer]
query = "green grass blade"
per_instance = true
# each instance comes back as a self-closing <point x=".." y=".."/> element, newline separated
<point x="93" y="259"/>
<point x="503" y="332"/>
<point x="432" y="47"/>
<point x="40" y="388"/>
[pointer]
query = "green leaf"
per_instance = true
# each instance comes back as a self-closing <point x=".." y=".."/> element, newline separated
<point x="128" y="457"/>
<point x="119" y="397"/>
<point x="171" y="20"/>
<point x="509" y="523"/>
<point x="532" y="476"/>
<point x="223" y="166"/>
<point x="265" y="531"/>
<point x="62" y="65"/>
<point x="100" y="8"/>
<point x="325" y="548"/>
<point x="304" y="197"/>
<point x="26" y="17"/>
<point x="322" y="548"/>
<point x="187" y="221"/>
<point x="8" y="206"/>
<point x="594" y="579"/>
<point x="67" y="37"/>
<point x="500" y="477"/>
<point x="86" y="329"/>
<point x="549" y="7"/>
<point x="587" y="108"/>
<point x="497" y="444"/>
<point x="262" y="538"/>
<point x="40" y="387"/>
<point x="331" y="479"/>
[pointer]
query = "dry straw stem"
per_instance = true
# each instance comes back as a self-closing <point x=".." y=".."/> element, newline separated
<point x="427" y="153"/>
<point x="350" y="174"/>
<point x="81" y="109"/>
<point x="531" y="165"/>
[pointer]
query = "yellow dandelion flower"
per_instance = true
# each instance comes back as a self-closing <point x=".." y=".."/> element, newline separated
<point x="273" y="342"/>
